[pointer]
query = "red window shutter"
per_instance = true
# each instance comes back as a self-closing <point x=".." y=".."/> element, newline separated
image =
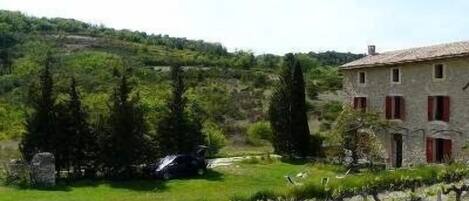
<point x="388" y="105"/>
<point x="430" y="150"/>
<point x="431" y="104"/>
<point x="446" y="109"/>
<point x="447" y="146"/>
<point x="355" y="102"/>
<point x="363" y="104"/>
<point x="402" y="108"/>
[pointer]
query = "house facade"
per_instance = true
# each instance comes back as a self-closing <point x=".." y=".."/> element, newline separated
<point x="424" y="92"/>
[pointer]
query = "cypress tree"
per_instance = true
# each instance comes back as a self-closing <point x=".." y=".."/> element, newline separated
<point x="176" y="132"/>
<point x="300" y="129"/>
<point x="77" y="136"/>
<point x="287" y="111"/>
<point x="124" y="144"/>
<point x="41" y="128"/>
<point x="279" y="114"/>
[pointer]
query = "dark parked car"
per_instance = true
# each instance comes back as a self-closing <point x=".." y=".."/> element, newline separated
<point x="173" y="166"/>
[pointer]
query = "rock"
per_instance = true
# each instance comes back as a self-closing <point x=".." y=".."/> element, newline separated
<point x="17" y="171"/>
<point x="43" y="169"/>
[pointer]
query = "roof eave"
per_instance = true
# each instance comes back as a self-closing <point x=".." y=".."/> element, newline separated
<point x="374" y="65"/>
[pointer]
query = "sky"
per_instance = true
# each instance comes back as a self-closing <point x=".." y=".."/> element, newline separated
<point x="274" y="26"/>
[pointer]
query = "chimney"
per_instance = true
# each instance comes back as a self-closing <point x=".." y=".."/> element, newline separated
<point x="371" y="50"/>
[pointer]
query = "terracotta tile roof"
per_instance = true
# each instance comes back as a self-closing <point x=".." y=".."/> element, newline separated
<point x="441" y="51"/>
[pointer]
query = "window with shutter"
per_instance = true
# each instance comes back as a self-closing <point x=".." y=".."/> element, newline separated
<point x="360" y="103"/>
<point x="401" y="108"/>
<point x="446" y="109"/>
<point x="395" y="107"/>
<point x="430" y="108"/>
<point x="429" y="148"/>
<point x="439" y="108"/>
<point x="447" y="146"/>
<point x="388" y="105"/>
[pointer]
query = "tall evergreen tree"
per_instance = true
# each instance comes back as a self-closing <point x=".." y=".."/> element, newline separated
<point x="79" y="146"/>
<point x="287" y="111"/>
<point x="300" y="129"/>
<point x="279" y="114"/>
<point x="41" y="128"/>
<point x="176" y="131"/>
<point x="124" y="145"/>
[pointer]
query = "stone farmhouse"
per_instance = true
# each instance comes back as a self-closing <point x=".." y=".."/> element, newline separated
<point x="425" y="93"/>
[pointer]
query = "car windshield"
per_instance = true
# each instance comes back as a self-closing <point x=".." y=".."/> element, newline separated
<point x="166" y="161"/>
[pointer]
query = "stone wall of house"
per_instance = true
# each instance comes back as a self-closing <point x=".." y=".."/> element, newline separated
<point x="416" y="85"/>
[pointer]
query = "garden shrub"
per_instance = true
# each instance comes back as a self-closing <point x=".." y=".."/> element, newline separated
<point x="259" y="131"/>
<point x="214" y="137"/>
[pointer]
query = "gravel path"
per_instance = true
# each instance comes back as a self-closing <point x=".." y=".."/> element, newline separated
<point x="216" y="162"/>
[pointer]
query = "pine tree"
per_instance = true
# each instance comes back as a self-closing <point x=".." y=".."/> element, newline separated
<point x="41" y="128"/>
<point x="287" y="111"/>
<point x="176" y="132"/>
<point x="124" y="145"/>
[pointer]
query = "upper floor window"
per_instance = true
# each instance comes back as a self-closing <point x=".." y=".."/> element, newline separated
<point x="439" y="72"/>
<point x="438" y="108"/>
<point x="395" y="107"/>
<point x="361" y="78"/>
<point x="360" y="103"/>
<point x="396" y="75"/>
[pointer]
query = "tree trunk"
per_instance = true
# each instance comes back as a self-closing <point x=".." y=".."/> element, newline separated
<point x="375" y="196"/>
<point x="458" y="194"/>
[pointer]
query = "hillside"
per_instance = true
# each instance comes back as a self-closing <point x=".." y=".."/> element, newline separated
<point x="231" y="87"/>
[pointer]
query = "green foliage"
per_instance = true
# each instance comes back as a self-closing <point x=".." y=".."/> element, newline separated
<point x="306" y="62"/>
<point x="331" y="110"/>
<point x="356" y="132"/>
<point x="332" y="58"/>
<point x="79" y="148"/>
<point x="215" y="99"/>
<point x="321" y="80"/>
<point x="259" y="131"/>
<point x="287" y="112"/>
<point x="214" y="137"/>
<point x="11" y="121"/>
<point x="176" y="131"/>
<point x="368" y="183"/>
<point x="300" y="128"/>
<point x="124" y="144"/>
<point x="95" y="69"/>
<point x="17" y="22"/>
<point x="41" y="125"/>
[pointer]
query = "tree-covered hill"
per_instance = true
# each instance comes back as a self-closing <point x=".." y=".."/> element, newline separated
<point x="231" y="88"/>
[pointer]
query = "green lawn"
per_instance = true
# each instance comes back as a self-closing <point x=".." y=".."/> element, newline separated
<point x="222" y="183"/>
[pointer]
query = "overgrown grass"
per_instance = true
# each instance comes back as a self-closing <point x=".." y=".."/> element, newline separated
<point x="368" y="182"/>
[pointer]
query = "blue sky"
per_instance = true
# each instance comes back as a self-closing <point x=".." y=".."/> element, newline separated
<point x="275" y="26"/>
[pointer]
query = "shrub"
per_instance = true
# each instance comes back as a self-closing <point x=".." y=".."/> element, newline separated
<point x="259" y="131"/>
<point x="214" y="137"/>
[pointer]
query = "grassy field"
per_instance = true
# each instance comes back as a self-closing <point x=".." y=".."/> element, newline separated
<point x="222" y="183"/>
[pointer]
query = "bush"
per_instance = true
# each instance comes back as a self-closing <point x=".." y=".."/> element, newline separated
<point x="214" y="137"/>
<point x="259" y="131"/>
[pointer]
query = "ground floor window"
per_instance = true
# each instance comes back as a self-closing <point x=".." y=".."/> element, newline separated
<point x="360" y="103"/>
<point x="438" y="150"/>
